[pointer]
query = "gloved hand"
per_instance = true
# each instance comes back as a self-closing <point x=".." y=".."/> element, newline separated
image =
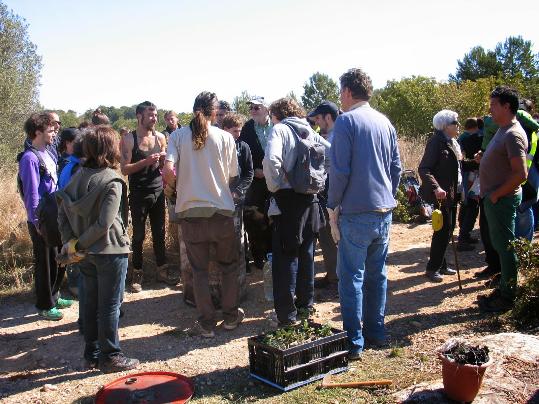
<point x="334" y="223"/>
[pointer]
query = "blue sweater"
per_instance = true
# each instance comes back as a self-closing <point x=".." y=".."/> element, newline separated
<point x="365" y="162"/>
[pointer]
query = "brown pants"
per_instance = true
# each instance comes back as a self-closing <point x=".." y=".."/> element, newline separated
<point x="199" y="234"/>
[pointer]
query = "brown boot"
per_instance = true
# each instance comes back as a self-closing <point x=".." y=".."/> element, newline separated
<point x="136" y="280"/>
<point x="164" y="276"/>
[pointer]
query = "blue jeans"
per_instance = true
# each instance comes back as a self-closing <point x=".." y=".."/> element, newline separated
<point x="103" y="289"/>
<point x="361" y="267"/>
<point x="524" y="225"/>
<point x="293" y="275"/>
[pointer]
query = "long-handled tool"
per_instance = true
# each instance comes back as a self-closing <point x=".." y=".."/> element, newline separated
<point x="326" y="383"/>
<point x="456" y="260"/>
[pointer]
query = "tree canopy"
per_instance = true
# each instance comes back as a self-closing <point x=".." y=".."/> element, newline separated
<point x="20" y="69"/>
<point x="318" y="88"/>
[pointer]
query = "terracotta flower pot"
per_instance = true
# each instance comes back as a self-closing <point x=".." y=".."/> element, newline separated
<point x="462" y="382"/>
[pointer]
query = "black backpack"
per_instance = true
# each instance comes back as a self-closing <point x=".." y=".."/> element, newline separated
<point x="308" y="176"/>
<point x="47" y="209"/>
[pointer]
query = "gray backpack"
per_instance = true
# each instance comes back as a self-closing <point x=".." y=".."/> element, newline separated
<point x="308" y="176"/>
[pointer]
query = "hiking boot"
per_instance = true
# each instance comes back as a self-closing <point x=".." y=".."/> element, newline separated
<point x="491" y="295"/>
<point x="464" y="246"/>
<point x="136" y="281"/>
<point x="486" y="273"/>
<point x="493" y="282"/>
<point x="118" y="363"/>
<point x="233" y="325"/>
<point x="164" y="276"/>
<point x="324" y="283"/>
<point x="434" y="276"/>
<point x="63" y="303"/>
<point x="469" y="240"/>
<point x="53" y="314"/>
<point x="91" y="363"/>
<point x="198" y="330"/>
<point x="495" y="303"/>
<point x="447" y="271"/>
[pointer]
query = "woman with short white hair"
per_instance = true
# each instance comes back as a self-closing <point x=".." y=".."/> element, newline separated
<point x="441" y="186"/>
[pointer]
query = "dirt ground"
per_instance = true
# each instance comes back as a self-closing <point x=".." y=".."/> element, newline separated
<point x="420" y="316"/>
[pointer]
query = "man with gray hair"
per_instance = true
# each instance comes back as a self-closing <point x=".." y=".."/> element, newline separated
<point x="255" y="133"/>
<point x="364" y="177"/>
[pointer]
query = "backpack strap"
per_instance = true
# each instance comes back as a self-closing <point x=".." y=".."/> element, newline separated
<point x="42" y="166"/>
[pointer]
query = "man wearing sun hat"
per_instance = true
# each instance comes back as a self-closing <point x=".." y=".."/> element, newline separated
<point x="255" y="133"/>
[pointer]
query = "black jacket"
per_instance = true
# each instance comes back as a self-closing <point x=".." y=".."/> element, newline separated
<point x="248" y="135"/>
<point x="246" y="172"/>
<point x="439" y="168"/>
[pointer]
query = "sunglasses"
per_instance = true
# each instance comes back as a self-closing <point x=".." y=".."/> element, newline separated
<point x="455" y="123"/>
<point x="253" y="107"/>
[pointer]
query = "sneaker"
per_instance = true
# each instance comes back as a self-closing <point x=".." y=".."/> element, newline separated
<point x="118" y="363"/>
<point x="233" y="325"/>
<point x="198" y="330"/>
<point x="53" y="314"/>
<point x="136" y="281"/>
<point x="63" y="303"/>
<point x="495" y="304"/>
<point x="164" y="276"/>
<point x="447" y="271"/>
<point x="354" y="356"/>
<point x="434" y="276"/>
<point x="464" y="246"/>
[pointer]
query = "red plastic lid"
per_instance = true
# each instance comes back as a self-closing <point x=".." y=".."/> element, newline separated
<point x="146" y="388"/>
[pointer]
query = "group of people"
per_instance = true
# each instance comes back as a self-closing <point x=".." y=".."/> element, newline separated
<point x="273" y="181"/>
<point x="491" y="169"/>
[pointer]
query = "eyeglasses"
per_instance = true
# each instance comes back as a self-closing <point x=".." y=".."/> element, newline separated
<point x="455" y="123"/>
<point x="253" y="107"/>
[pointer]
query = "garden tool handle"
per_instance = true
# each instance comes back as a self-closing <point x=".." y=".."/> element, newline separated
<point x="382" y="382"/>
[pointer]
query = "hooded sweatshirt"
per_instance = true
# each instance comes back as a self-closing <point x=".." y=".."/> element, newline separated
<point x="93" y="209"/>
<point x="281" y="154"/>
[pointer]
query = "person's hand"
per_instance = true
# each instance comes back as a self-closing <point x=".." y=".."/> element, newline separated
<point x="334" y="224"/>
<point x="69" y="247"/>
<point x="152" y="159"/>
<point x="259" y="173"/>
<point x="477" y="157"/>
<point x="169" y="191"/>
<point x="493" y="198"/>
<point x="440" y="194"/>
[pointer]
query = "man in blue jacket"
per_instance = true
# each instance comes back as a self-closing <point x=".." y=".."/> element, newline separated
<point x="364" y="176"/>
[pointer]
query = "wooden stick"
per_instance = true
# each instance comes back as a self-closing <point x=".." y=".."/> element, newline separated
<point x="382" y="382"/>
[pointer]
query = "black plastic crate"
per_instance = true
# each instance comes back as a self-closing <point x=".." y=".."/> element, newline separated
<point x="289" y="368"/>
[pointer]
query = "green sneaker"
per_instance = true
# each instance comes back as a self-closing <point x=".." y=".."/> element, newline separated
<point x="63" y="303"/>
<point x="52" y="314"/>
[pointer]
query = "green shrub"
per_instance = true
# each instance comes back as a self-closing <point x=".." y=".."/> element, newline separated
<point x="403" y="213"/>
<point x="526" y="310"/>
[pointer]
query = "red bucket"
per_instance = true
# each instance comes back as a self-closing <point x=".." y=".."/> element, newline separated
<point x="147" y="388"/>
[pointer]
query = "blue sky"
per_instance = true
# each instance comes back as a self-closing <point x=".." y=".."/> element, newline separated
<point x="123" y="52"/>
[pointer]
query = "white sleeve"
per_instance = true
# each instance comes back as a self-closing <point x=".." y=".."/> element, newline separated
<point x="172" y="147"/>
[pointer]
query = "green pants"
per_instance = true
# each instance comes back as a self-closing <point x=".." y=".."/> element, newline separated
<point x="501" y="222"/>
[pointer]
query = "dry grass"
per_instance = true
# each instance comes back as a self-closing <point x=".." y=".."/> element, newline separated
<point x="15" y="244"/>
<point x="411" y="151"/>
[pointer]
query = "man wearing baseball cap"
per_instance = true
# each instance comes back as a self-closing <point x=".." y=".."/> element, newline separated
<point x="324" y="116"/>
<point x="255" y="133"/>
